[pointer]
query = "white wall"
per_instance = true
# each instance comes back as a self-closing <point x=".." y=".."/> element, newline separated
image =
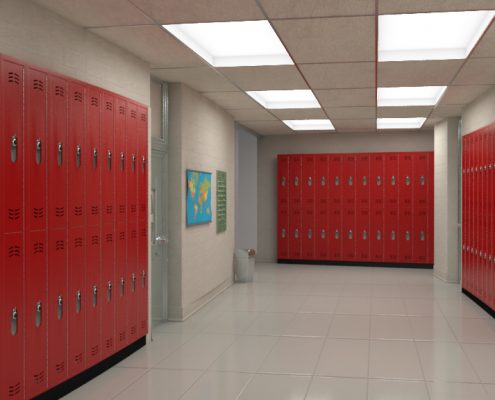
<point x="246" y="189"/>
<point x="479" y="113"/>
<point x="270" y="146"/>
<point x="35" y="35"/>
<point x="201" y="137"/>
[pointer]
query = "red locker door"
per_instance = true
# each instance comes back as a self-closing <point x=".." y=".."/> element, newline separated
<point x="471" y="215"/>
<point x="322" y="207"/>
<point x="93" y="157"/>
<point x="391" y="181"/>
<point x="94" y="295"/>
<point x="283" y="207"/>
<point x="36" y="313"/>
<point x="406" y="180"/>
<point x="132" y="152"/>
<point x="121" y="289"/>
<point x="107" y="289"/>
<point x="349" y="181"/>
<point x="377" y="181"/>
<point x="420" y="179"/>
<point x="420" y="238"/>
<point x="377" y="235"/>
<point x="335" y="234"/>
<point x="464" y="206"/>
<point x="363" y="235"/>
<point x="308" y="207"/>
<point x="405" y="238"/>
<point x="77" y="300"/>
<point x="483" y="220"/>
<point x="363" y="181"/>
<point x="121" y="151"/>
<point x="131" y="277"/>
<point x="143" y="278"/>
<point x="56" y="152"/>
<point x="391" y="235"/>
<point x="430" y="208"/>
<point x="143" y="163"/>
<point x="349" y="234"/>
<point x="77" y="146"/>
<point x="295" y="207"/>
<point x="491" y="221"/>
<point x="336" y="181"/>
<point x="108" y="159"/>
<point x="56" y="307"/>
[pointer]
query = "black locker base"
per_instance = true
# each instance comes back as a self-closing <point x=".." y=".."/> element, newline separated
<point x="73" y="383"/>
<point x="356" y="263"/>
<point x="485" y="307"/>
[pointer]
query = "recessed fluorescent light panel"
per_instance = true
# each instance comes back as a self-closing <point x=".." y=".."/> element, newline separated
<point x="233" y="44"/>
<point x="400" y="123"/>
<point x="309" y="124"/>
<point x="430" y="36"/>
<point x="279" y="99"/>
<point x="410" y="96"/>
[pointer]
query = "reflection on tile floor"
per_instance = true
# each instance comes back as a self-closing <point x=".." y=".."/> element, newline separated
<point x="317" y="333"/>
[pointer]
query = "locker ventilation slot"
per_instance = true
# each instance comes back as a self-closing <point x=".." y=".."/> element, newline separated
<point x="78" y="358"/>
<point x="94" y="240"/>
<point x="78" y="242"/>
<point x="108" y="106"/>
<point x="143" y="324"/>
<point x="122" y="209"/>
<point x="109" y="209"/>
<point x="133" y="234"/>
<point x="94" y="101"/>
<point x="59" y="245"/>
<point x="95" y="350"/>
<point x="143" y="117"/>
<point x="38" y="212"/>
<point x="14" y="78"/>
<point x="143" y="232"/>
<point x="59" y="368"/>
<point x="122" y="336"/>
<point x="94" y="210"/>
<point x="14" y="251"/>
<point x="133" y="114"/>
<point x="38" y="247"/>
<point x="109" y="343"/>
<point x="133" y="208"/>
<point x="14" y="214"/>
<point x="122" y="110"/>
<point x="133" y="330"/>
<point x="39" y="377"/>
<point x="59" y="211"/>
<point x="78" y="96"/>
<point x="38" y="85"/>
<point x="122" y="236"/>
<point x="59" y="91"/>
<point x="109" y="237"/>
<point x="15" y="389"/>
<point x="78" y="211"/>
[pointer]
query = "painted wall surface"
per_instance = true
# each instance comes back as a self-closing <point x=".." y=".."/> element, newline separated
<point x="446" y="264"/>
<point x="270" y="146"/>
<point x="156" y="108"/>
<point x="246" y="189"/>
<point x="33" y="34"/>
<point x="201" y="137"/>
<point x="479" y="113"/>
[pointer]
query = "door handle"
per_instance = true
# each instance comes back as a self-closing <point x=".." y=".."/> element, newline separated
<point x="59" y="307"/>
<point x="95" y="157"/>
<point x="95" y="296"/>
<point x="122" y="286"/>
<point x="133" y="282"/>
<point x="122" y="160"/>
<point x="78" y="302"/>
<point x="38" y="151"/>
<point x="13" y="149"/>
<point x="78" y="156"/>
<point x="162" y="239"/>
<point x="109" y="158"/>
<point x="60" y="150"/>
<point x="109" y="291"/>
<point x="38" y="316"/>
<point x="13" y="322"/>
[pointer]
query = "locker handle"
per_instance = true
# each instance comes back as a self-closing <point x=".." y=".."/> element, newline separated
<point x="408" y="180"/>
<point x="283" y="182"/>
<point x="95" y="157"/>
<point x="365" y="235"/>
<point x="310" y="181"/>
<point x="422" y="180"/>
<point x="13" y="322"/>
<point x="350" y="234"/>
<point x="13" y="149"/>
<point x="296" y="181"/>
<point x="408" y="236"/>
<point x="122" y="286"/>
<point x="392" y="235"/>
<point x="78" y="156"/>
<point x="38" y="315"/>
<point x="337" y="181"/>
<point x="143" y="163"/>
<point x="378" y="235"/>
<point x="350" y="181"/>
<point x="310" y="233"/>
<point x="133" y="282"/>
<point x="133" y="162"/>
<point x="38" y="151"/>
<point x="283" y="233"/>
<point x="109" y="159"/>
<point x="323" y="234"/>
<point x="422" y="236"/>
<point x="323" y="181"/>
<point x="378" y="180"/>
<point x="122" y="161"/>
<point x="109" y="291"/>
<point x="337" y="234"/>
<point x="95" y="296"/>
<point x="59" y="154"/>
<point x="78" y="302"/>
<point x="60" y="306"/>
<point x="296" y="233"/>
<point x="365" y="181"/>
<point x="392" y="180"/>
<point x="143" y="279"/>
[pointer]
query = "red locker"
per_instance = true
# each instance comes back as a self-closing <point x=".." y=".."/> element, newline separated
<point x="283" y="207"/>
<point x="132" y="153"/>
<point x="77" y="300"/>
<point x="143" y="163"/>
<point x="363" y="234"/>
<point x="491" y="217"/>
<point x="377" y="181"/>
<point x="121" y="161"/>
<point x="295" y="207"/>
<point x="349" y="234"/>
<point x="421" y="179"/>
<point x="483" y="220"/>
<point x="405" y="181"/>
<point x="143" y="279"/>
<point x="131" y="277"/>
<point x="391" y="184"/>
<point x="430" y="208"/>
<point x="93" y="295"/>
<point x="405" y="238"/>
<point x="420" y="237"/>
<point x="308" y="207"/>
<point x="56" y="152"/>
<point x="349" y="181"/>
<point x="108" y="159"/>
<point x="75" y="155"/>
<point x="121" y="288"/>
<point x="107" y="290"/>
<point x="322" y="208"/>
<point x="335" y="181"/>
<point x="36" y="315"/>
<point x="391" y="235"/>
<point x="92" y="156"/>
<point x="363" y="181"/>
<point x="377" y="235"/>
<point x="56" y="306"/>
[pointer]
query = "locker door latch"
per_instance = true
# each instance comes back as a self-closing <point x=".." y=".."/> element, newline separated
<point x="283" y="233"/>
<point x="13" y="148"/>
<point x="38" y="151"/>
<point x="378" y="180"/>
<point x="323" y="234"/>
<point x="378" y="235"/>
<point x="122" y="286"/>
<point x="143" y="163"/>
<point x="78" y="156"/>
<point x="78" y="302"/>
<point x="38" y="316"/>
<point x="392" y="235"/>
<point x="13" y="322"/>
<point x="408" y="235"/>
<point x="95" y="157"/>
<point x="310" y="181"/>
<point x="310" y="233"/>
<point x="296" y="233"/>
<point x="323" y="181"/>
<point x="283" y="182"/>
<point x="350" y="234"/>
<point x="337" y="181"/>
<point x="422" y="180"/>
<point x="408" y="180"/>
<point x="296" y="181"/>
<point x="60" y="307"/>
<point x="365" y="180"/>
<point x="122" y="161"/>
<point x="109" y="291"/>
<point x="95" y="296"/>
<point x="109" y="160"/>
<point x="133" y="162"/>
<point x="422" y="236"/>
<point x="59" y="154"/>
<point x="337" y="234"/>
<point x="392" y="180"/>
<point x="365" y="235"/>
<point x="350" y="181"/>
<point x="133" y="282"/>
<point x="143" y="279"/>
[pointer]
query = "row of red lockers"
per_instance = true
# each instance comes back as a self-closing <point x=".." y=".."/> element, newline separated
<point x="478" y="214"/>
<point x="73" y="227"/>
<point x="375" y="207"/>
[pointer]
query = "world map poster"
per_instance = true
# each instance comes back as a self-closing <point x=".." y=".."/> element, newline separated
<point x="198" y="201"/>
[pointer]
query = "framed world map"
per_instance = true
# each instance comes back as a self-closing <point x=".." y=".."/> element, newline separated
<point x="198" y="197"/>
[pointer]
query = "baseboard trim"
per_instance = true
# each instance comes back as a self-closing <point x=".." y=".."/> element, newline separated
<point x="483" y="305"/>
<point x="77" y="381"/>
<point x="356" y="263"/>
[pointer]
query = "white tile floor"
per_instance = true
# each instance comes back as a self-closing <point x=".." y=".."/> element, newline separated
<point x="317" y="333"/>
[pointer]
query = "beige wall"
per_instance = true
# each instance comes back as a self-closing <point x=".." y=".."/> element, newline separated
<point x="33" y="34"/>
<point x="201" y="137"/>
<point x="479" y="113"/>
<point x="156" y="108"/>
<point x="270" y="146"/>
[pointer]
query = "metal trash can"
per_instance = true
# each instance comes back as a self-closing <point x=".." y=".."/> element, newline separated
<point x="244" y="265"/>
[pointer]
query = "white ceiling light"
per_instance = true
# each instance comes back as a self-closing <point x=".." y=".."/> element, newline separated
<point x="410" y="96"/>
<point x="400" y="123"/>
<point x="309" y="124"/>
<point x="233" y="44"/>
<point x="279" y="99"/>
<point x="430" y="36"/>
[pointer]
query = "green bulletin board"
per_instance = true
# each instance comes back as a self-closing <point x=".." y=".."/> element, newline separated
<point x="221" y="201"/>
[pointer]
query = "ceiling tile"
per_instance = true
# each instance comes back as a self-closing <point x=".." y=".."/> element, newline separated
<point x="477" y="71"/>
<point x="351" y="112"/>
<point x="346" y="97"/>
<point x="268" y="127"/>
<point x="339" y="75"/>
<point x="486" y="46"/>
<point x="322" y="40"/>
<point x="354" y="125"/>
<point x="463" y="94"/>
<point x="184" y="11"/>
<point x="232" y="100"/>
<point x="202" y="79"/>
<point x="152" y="44"/>
<point x="431" y="122"/>
<point x="446" y="111"/>
<point x="417" y="73"/>
<point x="97" y="12"/>
<point x="418" y="6"/>
<point x="275" y="77"/>
<point x="317" y="8"/>
<point x="251" y="114"/>
<point x="300" y="113"/>
<point x="403" y="112"/>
